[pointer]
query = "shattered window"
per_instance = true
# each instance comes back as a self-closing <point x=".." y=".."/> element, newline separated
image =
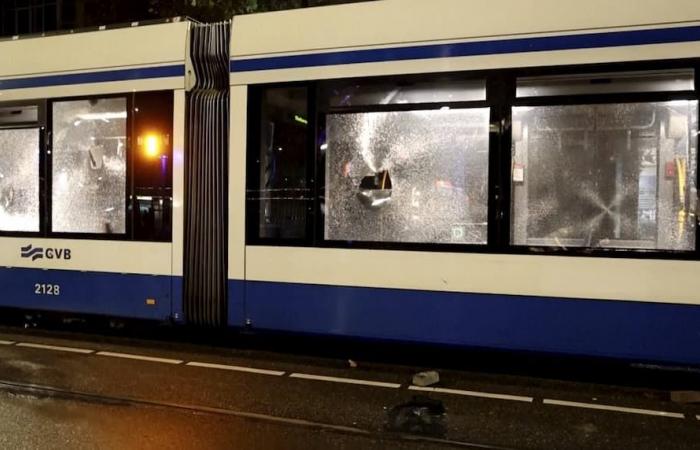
<point x="19" y="180"/>
<point x="612" y="176"/>
<point x="407" y="176"/>
<point x="89" y="166"/>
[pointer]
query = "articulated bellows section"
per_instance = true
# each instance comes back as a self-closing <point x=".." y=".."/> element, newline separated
<point x="206" y="177"/>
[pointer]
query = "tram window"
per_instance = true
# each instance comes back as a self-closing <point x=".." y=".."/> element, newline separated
<point x="607" y="83"/>
<point x="19" y="180"/>
<point x="89" y="166"/>
<point x="280" y="192"/>
<point x="152" y="114"/>
<point x="407" y="176"/>
<point x="611" y="175"/>
<point x="346" y="94"/>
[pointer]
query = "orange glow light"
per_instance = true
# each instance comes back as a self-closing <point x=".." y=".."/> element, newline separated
<point x="152" y="146"/>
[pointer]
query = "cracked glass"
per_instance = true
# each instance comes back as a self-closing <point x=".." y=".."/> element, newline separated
<point x="407" y="176"/>
<point x="89" y="166"/>
<point x="19" y="180"/>
<point x="610" y="176"/>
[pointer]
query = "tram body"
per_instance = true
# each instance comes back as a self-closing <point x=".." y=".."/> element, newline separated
<point x="74" y="99"/>
<point x="520" y="177"/>
<point x="622" y="304"/>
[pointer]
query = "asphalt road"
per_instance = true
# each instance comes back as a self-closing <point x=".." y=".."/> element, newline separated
<point x="74" y="391"/>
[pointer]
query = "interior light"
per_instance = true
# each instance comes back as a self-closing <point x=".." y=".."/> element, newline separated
<point x="300" y="119"/>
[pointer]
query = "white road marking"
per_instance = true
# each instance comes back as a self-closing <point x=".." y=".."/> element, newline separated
<point x="56" y="347"/>
<point x="6" y="342"/>
<point x="140" y="357"/>
<point x="306" y="376"/>
<point x="277" y="373"/>
<point x="517" y="398"/>
<point x="649" y="412"/>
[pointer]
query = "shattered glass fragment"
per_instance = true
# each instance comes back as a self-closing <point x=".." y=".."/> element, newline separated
<point x="19" y="180"/>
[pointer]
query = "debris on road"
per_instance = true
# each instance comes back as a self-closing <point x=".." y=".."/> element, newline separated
<point x="426" y="378"/>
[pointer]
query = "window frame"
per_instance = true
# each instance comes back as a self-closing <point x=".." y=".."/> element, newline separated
<point x="45" y="125"/>
<point x="500" y="98"/>
<point x="41" y="125"/>
<point x="42" y="199"/>
<point x="316" y="179"/>
<point x="132" y="204"/>
<point x="323" y="110"/>
<point x="598" y="99"/>
<point x="253" y="146"/>
<point x="128" y="200"/>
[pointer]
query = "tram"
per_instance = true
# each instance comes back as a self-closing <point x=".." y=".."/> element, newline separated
<point x="521" y="176"/>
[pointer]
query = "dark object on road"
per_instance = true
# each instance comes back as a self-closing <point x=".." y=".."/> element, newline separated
<point x="421" y="415"/>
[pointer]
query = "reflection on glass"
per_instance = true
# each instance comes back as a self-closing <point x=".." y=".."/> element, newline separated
<point x="152" y="122"/>
<point x="616" y="176"/>
<point x="607" y="83"/>
<point x="282" y="195"/>
<point x="89" y="166"/>
<point x="19" y="180"/>
<point x="414" y="176"/>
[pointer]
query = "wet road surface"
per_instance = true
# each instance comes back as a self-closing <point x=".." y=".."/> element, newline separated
<point x="60" y="423"/>
<point x="76" y="392"/>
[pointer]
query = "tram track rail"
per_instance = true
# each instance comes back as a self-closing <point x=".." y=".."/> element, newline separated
<point x="56" y="393"/>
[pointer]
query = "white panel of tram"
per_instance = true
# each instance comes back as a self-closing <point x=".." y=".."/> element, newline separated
<point x="553" y="276"/>
<point x="407" y="22"/>
<point x="87" y="255"/>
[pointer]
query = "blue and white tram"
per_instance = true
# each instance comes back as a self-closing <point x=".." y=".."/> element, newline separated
<point x="91" y="171"/>
<point x="516" y="177"/>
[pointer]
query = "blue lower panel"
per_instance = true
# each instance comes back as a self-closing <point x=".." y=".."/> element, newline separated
<point x="236" y="305"/>
<point x="629" y="330"/>
<point x="122" y="295"/>
<point x="176" y="304"/>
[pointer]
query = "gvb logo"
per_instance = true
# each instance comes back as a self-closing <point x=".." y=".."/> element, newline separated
<point x="32" y="252"/>
<point x="35" y="253"/>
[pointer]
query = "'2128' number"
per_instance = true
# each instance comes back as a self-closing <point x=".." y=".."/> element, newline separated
<point x="47" y="289"/>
